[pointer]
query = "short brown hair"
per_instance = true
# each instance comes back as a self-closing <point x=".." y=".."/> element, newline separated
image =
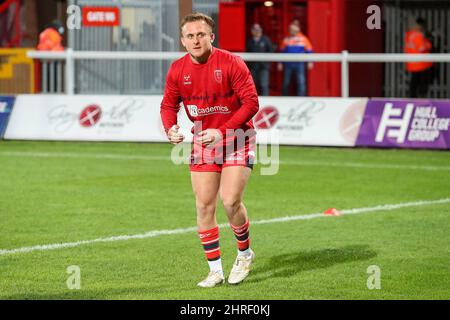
<point x="197" y="16"/>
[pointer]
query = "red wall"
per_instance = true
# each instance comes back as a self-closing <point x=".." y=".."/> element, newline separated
<point x="366" y="79"/>
<point x="331" y="25"/>
<point x="319" y="80"/>
<point x="232" y="26"/>
<point x="326" y="19"/>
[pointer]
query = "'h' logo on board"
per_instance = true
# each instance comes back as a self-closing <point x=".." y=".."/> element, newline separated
<point x="388" y="120"/>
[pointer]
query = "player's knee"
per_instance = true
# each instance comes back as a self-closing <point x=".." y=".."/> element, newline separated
<point x="231" y="204"/>
<point x="205" y="209"/>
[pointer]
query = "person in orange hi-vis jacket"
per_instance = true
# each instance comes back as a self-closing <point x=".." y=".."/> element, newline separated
<point x="295" y="42"/>
<point x="50" y="39"/>
<point x="422" y="71"/>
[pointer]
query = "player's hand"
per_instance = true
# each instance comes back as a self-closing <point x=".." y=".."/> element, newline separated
<point x="174" y="136"/>
<point x="280" y="66"/>
<point x="310" y="65"/>
<point x="209" y="136"/>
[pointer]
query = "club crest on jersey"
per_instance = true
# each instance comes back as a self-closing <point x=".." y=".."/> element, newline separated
<point x="187" y="79"/>
<point x="218" y="76"/>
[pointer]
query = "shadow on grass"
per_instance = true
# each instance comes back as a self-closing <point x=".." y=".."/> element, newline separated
<point x="283" y="266"/>
<point x="287" y="265"/>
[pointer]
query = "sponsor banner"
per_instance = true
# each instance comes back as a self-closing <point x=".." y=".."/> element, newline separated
<point x="88" y="118"/>
<point x="101" y="16"/>
<point x="406" y="123"/>
<point x="309" y="121"/>
<point x="285" y="120"/>
<point x="6" y="105"/>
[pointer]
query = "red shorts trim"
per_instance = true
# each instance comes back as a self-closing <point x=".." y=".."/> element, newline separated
<point x="213" y="160"/>
<point x="205" y="167"/>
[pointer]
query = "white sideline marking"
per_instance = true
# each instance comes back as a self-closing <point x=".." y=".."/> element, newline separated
<point x="319" y="163"/>
<point x="156" y="233"/>
<point x="365" y="165"/>
<point x="76" y="155"/>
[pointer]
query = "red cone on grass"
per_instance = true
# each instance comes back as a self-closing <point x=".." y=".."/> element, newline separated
<point x="332" y="212"/>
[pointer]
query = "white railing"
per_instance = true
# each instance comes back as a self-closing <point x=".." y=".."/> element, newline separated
<point x="344" y="58"/>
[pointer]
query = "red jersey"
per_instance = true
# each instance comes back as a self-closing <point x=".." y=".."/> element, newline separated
<point x="220" y="93"/>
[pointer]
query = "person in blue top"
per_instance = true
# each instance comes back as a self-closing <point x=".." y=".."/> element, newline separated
<point x="295" y="42"/>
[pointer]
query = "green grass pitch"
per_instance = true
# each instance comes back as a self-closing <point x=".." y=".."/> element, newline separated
<point x="56" y="193"/>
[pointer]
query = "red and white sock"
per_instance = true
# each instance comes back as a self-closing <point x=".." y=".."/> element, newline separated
<point x="242" y="234"/>
<point x="210" y="242"/>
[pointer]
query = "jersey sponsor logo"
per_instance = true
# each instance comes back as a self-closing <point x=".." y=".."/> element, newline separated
<point x="195" y="111"/>
<point x="209" y="98"/>
<point x="187" y="80"/>
<point x="218" y="76"/>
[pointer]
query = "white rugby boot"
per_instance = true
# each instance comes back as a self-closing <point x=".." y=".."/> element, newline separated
<point x="213" y="279"/>
<point x="241" y="268"/>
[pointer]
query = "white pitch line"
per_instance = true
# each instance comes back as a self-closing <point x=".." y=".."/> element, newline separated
<point x="365" y="165"/>
<point x="113" y="156"/>
<point x="76" y="155"/>
<point x="156" y="233"/>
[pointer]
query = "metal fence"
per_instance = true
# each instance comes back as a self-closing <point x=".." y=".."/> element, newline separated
<point x="69" y="56"/>
<point x="397" y="16"/>
<point x="53" y="76"/>
<point x="145" y="25"/>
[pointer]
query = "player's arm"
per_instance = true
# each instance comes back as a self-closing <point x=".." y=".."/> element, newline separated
<point x="243" y="85"/>
<point x="170" y="106"/>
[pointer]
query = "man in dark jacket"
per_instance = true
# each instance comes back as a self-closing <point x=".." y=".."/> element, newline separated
<point x="260" y="70"/>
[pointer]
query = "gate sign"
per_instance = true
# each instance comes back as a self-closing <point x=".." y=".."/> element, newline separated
<point x="6" y="105"/>
<point x="101" y="16"/>
<point x="403" y="123"/>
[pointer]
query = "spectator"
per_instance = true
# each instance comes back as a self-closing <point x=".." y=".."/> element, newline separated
<point x="295" y="42"/>
<point x="51" y="38"/>
<point x="260" y="70"/>
<point x="422" y="71"/>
